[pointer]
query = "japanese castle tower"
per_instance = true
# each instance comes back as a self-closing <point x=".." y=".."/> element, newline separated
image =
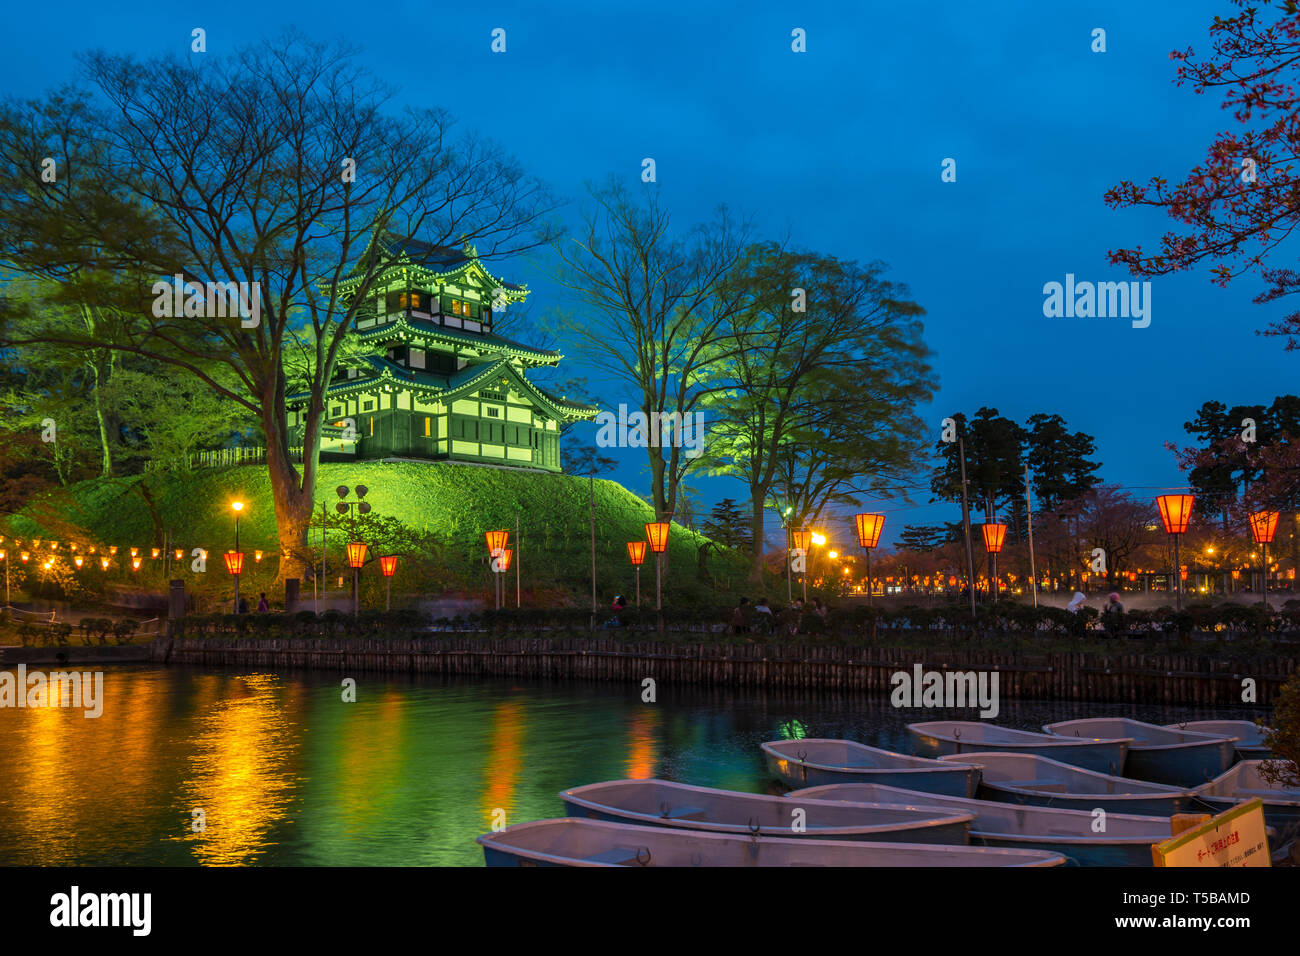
<point x="439" y="384"/>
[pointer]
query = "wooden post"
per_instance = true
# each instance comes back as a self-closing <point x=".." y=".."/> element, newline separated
<point x="1029" y="516"/>
<point x="965" y="523"/>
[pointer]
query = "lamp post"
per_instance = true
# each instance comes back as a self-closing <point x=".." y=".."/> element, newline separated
<point x="1175" y="514"/>
<point x="869" y="527"/>
<point x="800" y="541"/>
<point x="636" y="554"/>
<point x="785" y="528"/>
<point x="1263" y="525"/>
<point x="994" y="535"/>
<point x="235" y="565"/>
<point x="237" y="507"/>
<point x="656" y="533"/>
<point x="496" y="543"/>
<point x="5" y="558"/>
<point x="356" y="558"/>
<point x="388" y="565"/>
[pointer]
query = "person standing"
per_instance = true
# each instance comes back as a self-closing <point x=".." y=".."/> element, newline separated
<point x="262" y="604"/>
<point x="1113" y="616"/>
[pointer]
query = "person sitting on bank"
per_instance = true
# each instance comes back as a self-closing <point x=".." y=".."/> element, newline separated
<point x="792" y="617"/>
<point x="263" y="605"/>
<point x="764" y="620"/>
<point x="740" y="617"/>
<point x="619" y="606"/>
<point x="1112" y="616"/>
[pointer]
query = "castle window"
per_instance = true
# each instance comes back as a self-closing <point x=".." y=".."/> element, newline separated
<point x="416" y="358"/>
<point x="494" y="413"/>
<point x="408" y="300"/>
<point x="367" y="406"/>
<point x="338" y="410"/>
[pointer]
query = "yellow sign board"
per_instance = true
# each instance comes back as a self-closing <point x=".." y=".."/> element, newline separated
<point x="1236" y="837"/>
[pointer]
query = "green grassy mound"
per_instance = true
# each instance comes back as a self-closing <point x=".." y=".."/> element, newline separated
<point x="444" y="510"/>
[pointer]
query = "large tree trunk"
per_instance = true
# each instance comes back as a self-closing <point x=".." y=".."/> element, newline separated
<point x="294" y="492"/>
<point x="102" y="368"/>
<point x="756" y="536"/>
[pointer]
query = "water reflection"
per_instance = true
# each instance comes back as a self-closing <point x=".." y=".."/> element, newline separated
<point x="287" y="773"/>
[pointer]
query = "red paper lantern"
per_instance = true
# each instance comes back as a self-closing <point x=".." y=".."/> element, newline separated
<point x="1263" y="525"/>
<point x="1175" y="512"/>
<point x="994" y="535"/>
<point x="801" y="539"/>
<point x="1132" y="575"/>
<point x="496" y="541"/>
<point x="503" y="559"/>
<point x="869" y="527"/>
<point x="388" y="564"/>
<point x="356" y="554"/>
<point x="234" y="561"/>
<point x="636" y="552"/>
<point x="656" y="533"/>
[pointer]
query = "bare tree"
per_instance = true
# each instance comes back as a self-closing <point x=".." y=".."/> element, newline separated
<point x="654" y="306"/>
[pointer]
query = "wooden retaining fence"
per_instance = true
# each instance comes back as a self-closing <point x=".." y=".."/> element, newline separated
<point x="1135" y="678"/>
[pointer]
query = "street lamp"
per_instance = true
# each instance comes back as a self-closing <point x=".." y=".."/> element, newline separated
<point x="356" y="558"/>
<point x="1263" y="526"/>
<point x="496" y="542"/>
<point x="656" y="533"/>
<point x="236" y="507"/>
<point x="1175" y="514"/>
<point x="636" y="554"/>
<point x="388" y="565"/>
<point x="235" y="564"/>
<point x="994" y="535"/>
<point x="800" y="540"/>
<point x="869" y="527"/>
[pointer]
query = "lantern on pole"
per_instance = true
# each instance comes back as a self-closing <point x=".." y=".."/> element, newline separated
<point x="636" y="554"/>
<point x="356" y="551"/>
<point x="235" y="565"/>
<point x="1175" y="515"/>
<point x="1263" y="526"/>
<point x="869" y="527"/>
<point x="78" y="560"/>
<point x="496" y="542"/>
<point x="994" y="534"/>
<point x="656" y="533"/>
<point x="388" y="566"/>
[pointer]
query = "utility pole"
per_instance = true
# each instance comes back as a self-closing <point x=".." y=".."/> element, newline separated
<point x="1029" y="517"/>
<point x="591" y="486"/>
<point x="518" y="551"/>
<point x="965" y="522"/>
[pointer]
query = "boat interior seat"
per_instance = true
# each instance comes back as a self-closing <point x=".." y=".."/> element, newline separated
<point x="1032" y="784"/>
<point x="620" y="855"/>
<point x="685" y="813"/>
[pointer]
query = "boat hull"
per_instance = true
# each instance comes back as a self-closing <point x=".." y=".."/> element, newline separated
<point x="957" y="781"/>
<point x="664" y="803"/>
<point x="1144" y="805"/>
<point x="1182" y="765"/>
<point x="571" y="842"/>
<point x="1051" y="830"/>
<point x="1104" y="756"/>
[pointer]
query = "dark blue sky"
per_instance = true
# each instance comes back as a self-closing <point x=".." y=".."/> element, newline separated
<point x="840" y="147"/>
